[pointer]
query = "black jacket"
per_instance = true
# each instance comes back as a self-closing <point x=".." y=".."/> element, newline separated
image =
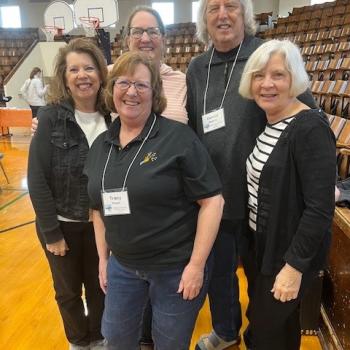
<point x="296" y="197"/>
<point x="56" y="183"/>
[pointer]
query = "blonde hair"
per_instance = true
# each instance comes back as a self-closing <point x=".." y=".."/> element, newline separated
<point x="126" y="64"/>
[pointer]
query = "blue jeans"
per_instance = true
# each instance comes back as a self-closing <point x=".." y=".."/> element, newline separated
<point x="128" y="291"/>
<point x="223" y="287"/>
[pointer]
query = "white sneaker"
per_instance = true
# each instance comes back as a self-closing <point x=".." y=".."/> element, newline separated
<point x="78" y="347"/>
<point x="213" y="342"/>
<point x="98" y="345"/>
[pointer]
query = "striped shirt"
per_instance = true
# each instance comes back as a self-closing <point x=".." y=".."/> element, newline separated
<point x="175" y="91"/>
<point x="264" y="146"/>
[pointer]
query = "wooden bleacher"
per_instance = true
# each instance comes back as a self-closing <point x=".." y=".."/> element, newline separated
<point x="13" y="45"/>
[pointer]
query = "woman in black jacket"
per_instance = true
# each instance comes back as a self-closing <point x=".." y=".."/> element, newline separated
<point x="291" y="178"/>
<point x="75" y="116"/>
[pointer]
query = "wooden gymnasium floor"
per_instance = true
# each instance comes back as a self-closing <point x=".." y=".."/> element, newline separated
<point x="29" y="318"/>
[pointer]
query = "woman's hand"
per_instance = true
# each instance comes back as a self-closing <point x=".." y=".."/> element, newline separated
<point x="102" y="274"/>
<point x="58" y="248"/>
<point x="336" y="193"/>
<point x="191" y="281"/>
<point x="34" y="125"/>
<point x="287" y="284"/>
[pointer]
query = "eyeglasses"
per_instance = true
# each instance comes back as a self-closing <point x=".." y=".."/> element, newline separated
<point x="140" y="86"/>
<point x="152" y="32"/>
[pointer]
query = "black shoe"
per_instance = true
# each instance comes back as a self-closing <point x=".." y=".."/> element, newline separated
<point x="146" y="343"/>
<point x="247" y="336"/>
<point x="6" y="98"/>
<point x="146" y="346"/>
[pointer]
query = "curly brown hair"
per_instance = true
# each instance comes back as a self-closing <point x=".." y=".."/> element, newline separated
<point x="126" y="64"/>
<point x="58" y="91"/>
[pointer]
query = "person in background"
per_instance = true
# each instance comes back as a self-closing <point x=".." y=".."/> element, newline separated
<point x="75" y="116"/>
<point x="33" y="91"/>
<point x="228" y="125"/>
<point x="157" y="206"/>
<point x="291" y="178"/>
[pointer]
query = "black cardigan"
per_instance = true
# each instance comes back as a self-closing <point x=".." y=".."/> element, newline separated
<point x="296" y="196"/>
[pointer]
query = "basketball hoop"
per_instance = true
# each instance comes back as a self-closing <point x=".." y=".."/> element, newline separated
<point x="51" y="31"/>
<point x="90" y="24"/>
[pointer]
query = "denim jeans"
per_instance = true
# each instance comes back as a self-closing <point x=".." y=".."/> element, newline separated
<point x="128" y="291"/>
<point x="223" y="287"/>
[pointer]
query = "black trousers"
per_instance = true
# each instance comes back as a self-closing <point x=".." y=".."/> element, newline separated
<point x="34" y="110"/>
<point x="78" y="268"/>
<point x="273" y="325"/>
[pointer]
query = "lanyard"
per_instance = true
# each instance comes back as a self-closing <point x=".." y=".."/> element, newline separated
<point x="132" y="162"/>
<point x="228" y="82"/>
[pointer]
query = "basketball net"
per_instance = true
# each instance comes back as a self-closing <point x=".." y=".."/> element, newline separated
<point x="89" y="24"/>
<point x="50" y="32"/>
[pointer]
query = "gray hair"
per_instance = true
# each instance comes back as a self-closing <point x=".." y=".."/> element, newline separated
<point x="248" y="17"/>
<point x="292" y="59"/>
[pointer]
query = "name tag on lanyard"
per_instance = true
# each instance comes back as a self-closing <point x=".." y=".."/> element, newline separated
<point x="213" y="120"/>
<point x="116" y="202"/>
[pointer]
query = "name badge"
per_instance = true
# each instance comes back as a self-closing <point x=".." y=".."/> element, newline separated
<point x="116" y="202"/>
<point x="213" y="120"/>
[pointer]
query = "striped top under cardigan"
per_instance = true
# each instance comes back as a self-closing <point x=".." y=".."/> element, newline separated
<point x="264" y="146"/>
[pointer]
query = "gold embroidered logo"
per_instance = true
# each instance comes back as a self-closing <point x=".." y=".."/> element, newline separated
<point x="149" y="157"/>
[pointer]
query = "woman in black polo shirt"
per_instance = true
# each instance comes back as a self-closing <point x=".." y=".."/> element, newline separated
<point x="157" y="206"/>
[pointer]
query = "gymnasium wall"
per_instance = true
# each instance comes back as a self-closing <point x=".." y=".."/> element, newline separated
<point x="42" y="56"/>
<point x="32" y="10"/>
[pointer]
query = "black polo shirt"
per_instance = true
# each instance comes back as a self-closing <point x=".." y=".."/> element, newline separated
<point x="172" y="171"/>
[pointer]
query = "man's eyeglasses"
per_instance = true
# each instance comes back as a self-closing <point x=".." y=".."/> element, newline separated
<point x="140" y="86"/>
<point x="152" y="32"/>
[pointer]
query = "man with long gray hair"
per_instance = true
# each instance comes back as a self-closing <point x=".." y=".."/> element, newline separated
<point x="228" y="125"/>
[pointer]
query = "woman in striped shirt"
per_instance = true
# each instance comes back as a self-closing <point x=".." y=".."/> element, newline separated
<point x="290" y="175"/>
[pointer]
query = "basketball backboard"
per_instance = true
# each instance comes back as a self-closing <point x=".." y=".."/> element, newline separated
<point x="105" y="10"/>
<point x="59" y="14"/>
